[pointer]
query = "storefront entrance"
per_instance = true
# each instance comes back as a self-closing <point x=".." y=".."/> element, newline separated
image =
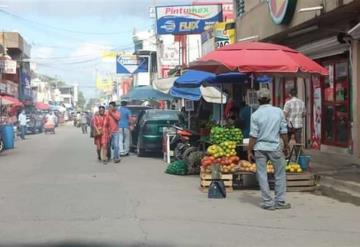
<point x="336" y="104"/>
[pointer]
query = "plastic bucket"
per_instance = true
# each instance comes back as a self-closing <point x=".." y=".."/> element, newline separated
<point x="304" y="162"/>
<point x="7" y="132"/>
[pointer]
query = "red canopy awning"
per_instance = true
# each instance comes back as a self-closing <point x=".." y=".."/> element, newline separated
<point x="42" y="106"/>
<point x="258" y="57"/>
<point x="12" y="101"/>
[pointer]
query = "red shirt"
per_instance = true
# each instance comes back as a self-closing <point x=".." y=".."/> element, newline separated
<point x="113" y="118"/>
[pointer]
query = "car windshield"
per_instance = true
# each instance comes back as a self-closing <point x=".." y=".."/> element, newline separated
<point x="164" y="115"/>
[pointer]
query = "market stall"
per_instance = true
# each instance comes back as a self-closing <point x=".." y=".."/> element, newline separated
<point x="256" y="59"/>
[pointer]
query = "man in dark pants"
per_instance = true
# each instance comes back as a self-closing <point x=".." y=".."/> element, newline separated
<point x="268" y="124"/>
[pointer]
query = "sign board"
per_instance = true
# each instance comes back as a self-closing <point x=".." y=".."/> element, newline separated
<point x="8" y="66"/>
<point x="189" y="105"/>
<point x="227" y="7"/>
<point x="126" y="63"/>
<point x="224" y="34"/>
<point x="282" y="11"/>
<point x="186" y="19"/>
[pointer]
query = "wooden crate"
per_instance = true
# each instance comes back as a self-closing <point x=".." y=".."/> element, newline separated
<point x="297" y="182"/>
<point x="205" y="181"/>
<point x="300" y="182"/>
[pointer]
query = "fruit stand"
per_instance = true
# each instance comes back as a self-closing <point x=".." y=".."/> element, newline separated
<point x="237" y="173"/>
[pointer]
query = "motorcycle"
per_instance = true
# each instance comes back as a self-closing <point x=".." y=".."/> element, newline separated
<point x="186" y="146"/>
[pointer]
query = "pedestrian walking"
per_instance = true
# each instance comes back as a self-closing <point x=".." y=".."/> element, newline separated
<point x="113" y="118"/>
<point x="295" y="111"/>
<point x="101" y="138"/>
<point x="268" y="126"/>
<point x="84" y="122"/>
<point x="124" y="130"/>
<point x="22" y="123"/>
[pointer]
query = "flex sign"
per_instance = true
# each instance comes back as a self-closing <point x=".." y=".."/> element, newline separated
<point x="186" y="19"/>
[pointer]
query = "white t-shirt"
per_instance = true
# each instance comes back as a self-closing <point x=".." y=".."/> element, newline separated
<point x="50" y="119"/>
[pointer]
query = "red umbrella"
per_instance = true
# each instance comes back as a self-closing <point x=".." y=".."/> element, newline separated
<point x="258" y="57"/>
<point x="13" y="101"/>
<point x="42" y="106"/>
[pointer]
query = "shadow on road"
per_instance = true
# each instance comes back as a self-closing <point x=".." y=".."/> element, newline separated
<point x="84" y="244"/>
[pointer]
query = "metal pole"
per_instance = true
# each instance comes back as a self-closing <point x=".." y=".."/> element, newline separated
<point x="221" y="106"/>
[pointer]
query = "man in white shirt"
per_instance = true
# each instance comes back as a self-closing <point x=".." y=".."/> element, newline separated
<point x="295" y="111"/>
<point x="22" y="123"/>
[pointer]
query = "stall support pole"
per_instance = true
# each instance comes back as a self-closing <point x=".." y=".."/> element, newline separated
<point x="221" y="107"/>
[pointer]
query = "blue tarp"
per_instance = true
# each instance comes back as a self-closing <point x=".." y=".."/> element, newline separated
<point x="193" y="94"/>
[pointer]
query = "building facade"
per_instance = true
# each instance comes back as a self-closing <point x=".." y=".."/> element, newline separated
<point x="326" y="31"/>
<point x="16" y="83"/>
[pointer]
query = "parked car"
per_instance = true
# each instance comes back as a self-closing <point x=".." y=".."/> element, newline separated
<point x="148" y="132"/>
<point x="135" y="112"/>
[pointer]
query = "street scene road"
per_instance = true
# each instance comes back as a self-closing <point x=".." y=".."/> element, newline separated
<point x="54" y="192"/>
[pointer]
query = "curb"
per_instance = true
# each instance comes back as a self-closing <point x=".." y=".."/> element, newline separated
<point x="343" y="191"/>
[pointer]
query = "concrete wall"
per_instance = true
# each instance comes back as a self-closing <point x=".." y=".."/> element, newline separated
<point x="257" y="19"/>
<point x="15" y="41"/>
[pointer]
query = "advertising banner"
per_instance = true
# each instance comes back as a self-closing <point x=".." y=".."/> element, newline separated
<point x="186" y="19"/>
<point x="126" y="63"/>
<point x="104" y="83"/>
<point x="224" y="34"/>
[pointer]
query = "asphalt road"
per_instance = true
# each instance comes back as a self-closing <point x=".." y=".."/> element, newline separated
<point x="53" y="192"/>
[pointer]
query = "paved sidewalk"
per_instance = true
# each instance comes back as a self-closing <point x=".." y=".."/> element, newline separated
<point x="339" y="175"/>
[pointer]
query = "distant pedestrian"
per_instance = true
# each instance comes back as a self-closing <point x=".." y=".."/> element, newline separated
<point x="295" y="111"/>
<point x="84" y="122"/>
<point x="22" y="124"/>
<point x="125" y="115"/>
<point x="268" y="124"/>
<point x="101" y="139"/>
<point x="113" y="118"/>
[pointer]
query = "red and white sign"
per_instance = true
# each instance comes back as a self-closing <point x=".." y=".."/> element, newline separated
<point x="227" y="7"/>
<point x="8" y="66"/>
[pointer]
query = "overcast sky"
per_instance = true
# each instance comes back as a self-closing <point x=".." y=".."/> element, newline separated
<point x="67" y="36"/>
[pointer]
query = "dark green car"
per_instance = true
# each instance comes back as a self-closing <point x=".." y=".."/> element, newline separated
<point x="147" y="135"/>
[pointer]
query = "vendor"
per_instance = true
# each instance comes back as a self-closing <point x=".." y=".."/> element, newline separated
<point x="244" y="117"/>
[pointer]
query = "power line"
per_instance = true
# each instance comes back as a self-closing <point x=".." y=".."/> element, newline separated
<point x="63" y="29"/>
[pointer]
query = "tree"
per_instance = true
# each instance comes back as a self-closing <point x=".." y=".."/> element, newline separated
<point x="81" y="100"/>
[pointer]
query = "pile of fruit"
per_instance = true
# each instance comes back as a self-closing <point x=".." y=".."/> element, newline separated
<point x="227" y="164"/>
<point x="270" y="167"/>
<point x="219" y="135"/>
<point x="246" y="166"/>
<point x="293" y="167"/>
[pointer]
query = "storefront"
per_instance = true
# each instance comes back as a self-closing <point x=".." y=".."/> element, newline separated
<point x="320" y="33"/>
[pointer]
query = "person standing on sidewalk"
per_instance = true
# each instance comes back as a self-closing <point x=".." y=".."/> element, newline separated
<point x="113" y="118"/>
<point x="22" y="124"/>
<point x="124" y="129"/>
<point x="295" y="111"/>
<point x="268" y="124"/>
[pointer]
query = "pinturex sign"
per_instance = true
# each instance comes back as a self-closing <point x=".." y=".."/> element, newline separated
<point x="186" y="19"/>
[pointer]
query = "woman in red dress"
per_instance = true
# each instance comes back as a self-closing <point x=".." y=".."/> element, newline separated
<point x="102" y="137"/>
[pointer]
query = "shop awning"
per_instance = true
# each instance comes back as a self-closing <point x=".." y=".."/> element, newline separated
<point x="210" y="94"/>
<point x="355" y="31"/>
<point x="13" y="101"/>
<point x="146" y="93"/>
<point x="42" y="106"/>
<point x="165" y="84"/>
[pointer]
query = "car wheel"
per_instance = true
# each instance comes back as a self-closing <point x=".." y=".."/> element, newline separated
<point x="1" y="146"/>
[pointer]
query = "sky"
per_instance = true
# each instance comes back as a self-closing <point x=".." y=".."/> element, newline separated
<point x="67" y="36"/>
